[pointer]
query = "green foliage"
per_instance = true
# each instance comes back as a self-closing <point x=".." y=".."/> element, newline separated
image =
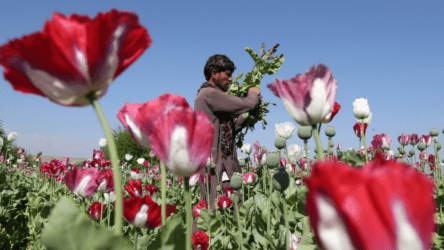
<point x="263" y="65"/>
<point x="67" y="225"/>
<point x="127" y="145"/>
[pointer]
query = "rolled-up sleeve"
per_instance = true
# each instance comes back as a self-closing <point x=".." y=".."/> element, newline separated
<point x="219" y="101"/>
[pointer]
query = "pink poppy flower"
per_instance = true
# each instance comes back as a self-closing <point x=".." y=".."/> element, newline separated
<point x="413" y="139"/>
<point x="426" y="139"/>
<point x="98" y="154"/>
<point x="146" y="164"/>
<point x="381" y="141"/>
<point x="194" y="179"/>
<point x="143" y="212"/>
<point x="404" y="139"/>
<point x="82" y="181"/>
<point x="224" y="202"/>
<point x="139" y="119"/>
<point x="182" y="138"/>
<point x="308" y="98"/>
<point x="75" y="63"/>
<point x="106" y="179"/>
<point x="249" y="178"/>
<point x="384" y="205"/>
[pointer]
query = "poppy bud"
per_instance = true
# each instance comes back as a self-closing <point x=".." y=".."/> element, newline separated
<point x="399" y="147"/>
<point x="438" y="145"/>
<point x="331" y="143"/>
<point x="305" y="132"/>
<point x="396" y="156"/>
<point x="421" y="146"/>
<point x="434" y="132"/>
<point x="218" y="189"/>
<point x="273" y="160"/>
<point x="281" y="180"/>
<point x="330" y="131"/>
<point x="236" y="181"/>
<point x="39" y="153"/>
<point x="402" y="151"/>
<point x="412" y="151"/>
<point x="280" y="143"/>
<point x="242" y="162"/>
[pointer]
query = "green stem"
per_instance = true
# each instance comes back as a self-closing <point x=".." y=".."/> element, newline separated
<point x="241" y="245"/>
<point x="288" y="162"/>
<point x="109" y="209"/>
<point x="319" y="155"/>
<point x="365" y="144"/>
<point x="207" y="170"/>
<point x="287" y="227"/>
<point x="135" y="240"/>
<point x="264" y="174"/>
<point x="189" y="219"/>
<point x="218" y="182"/>
<point x="113" y="155"/>
<point x="269" y="204"/>
<point x="306" y="154"/>
<point x="164" y="190"/>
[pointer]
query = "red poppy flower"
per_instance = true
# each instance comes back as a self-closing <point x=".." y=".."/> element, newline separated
<point x="200" y="241"/>
<point x="384" y="205"/>
<point x="249" y="178"/>
<point x="143" y="212"/>
<point x="134" y="188"/>
<point x="228" y="191"/>
<point x="198" y="207"/>
<point x="135" y="170"/>
<point x="82" y="181"/>
<point x="224" y="202"/>
<point x="151" y="189"/>
<point x="74" y="56"/>
<point x="94" y="210"/>
<point x="357" y="128"/>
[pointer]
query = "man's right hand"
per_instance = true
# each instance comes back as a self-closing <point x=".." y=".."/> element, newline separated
<point x="258" y="91"/>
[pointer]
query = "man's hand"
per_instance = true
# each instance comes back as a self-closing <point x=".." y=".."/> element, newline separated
<point x="258" y="91"/>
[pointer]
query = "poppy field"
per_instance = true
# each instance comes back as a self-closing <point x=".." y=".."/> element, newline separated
<point x="365" y="198"/>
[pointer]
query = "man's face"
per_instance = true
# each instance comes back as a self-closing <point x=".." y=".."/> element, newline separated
<point x="223" y="79"/>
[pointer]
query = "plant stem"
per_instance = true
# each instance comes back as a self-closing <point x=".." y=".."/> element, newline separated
<point x="207" y="170"/>
<point x="163" y="173"/>
<point x="188" y="209"/>
<point x="319" y="155"/>
<point x="287" y="227"/>
<point x="135" y="240"/>
<point x="269" y="204"/>
<point x="241" y="245"/>
<point x="113" y="155"/>
<point x="365" y="144"/>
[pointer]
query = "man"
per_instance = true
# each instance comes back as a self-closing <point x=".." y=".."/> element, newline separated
<point x="213" y="100"/>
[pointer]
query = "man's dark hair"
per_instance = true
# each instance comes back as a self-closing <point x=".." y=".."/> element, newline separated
<point x="219" y="63"/>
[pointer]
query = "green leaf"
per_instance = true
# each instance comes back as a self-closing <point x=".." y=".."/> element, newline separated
<point x="69" y="229"/>
<point x="172" y="233"/>
<point x="206" y="218"/>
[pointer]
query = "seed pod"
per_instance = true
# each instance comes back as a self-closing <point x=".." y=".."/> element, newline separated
<point x="281" y="180"/>
<point x="236" y="181"/>
<point x="305" y="132"/>
<point x="330" y="131"/>
<point x="242" y="162"/>
<point x="280" y="143"/>
<point x="434" y="132"/>
<point x="402" y="151"/>
<point x="412" y="152"/>
<point x="272" y="160"/>
<point x="421" y="146"/>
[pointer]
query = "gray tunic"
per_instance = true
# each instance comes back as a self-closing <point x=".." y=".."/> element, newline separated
<point x="220" y="107"/>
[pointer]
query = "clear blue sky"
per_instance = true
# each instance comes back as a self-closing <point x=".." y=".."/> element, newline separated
<point x="389" y="52"/>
